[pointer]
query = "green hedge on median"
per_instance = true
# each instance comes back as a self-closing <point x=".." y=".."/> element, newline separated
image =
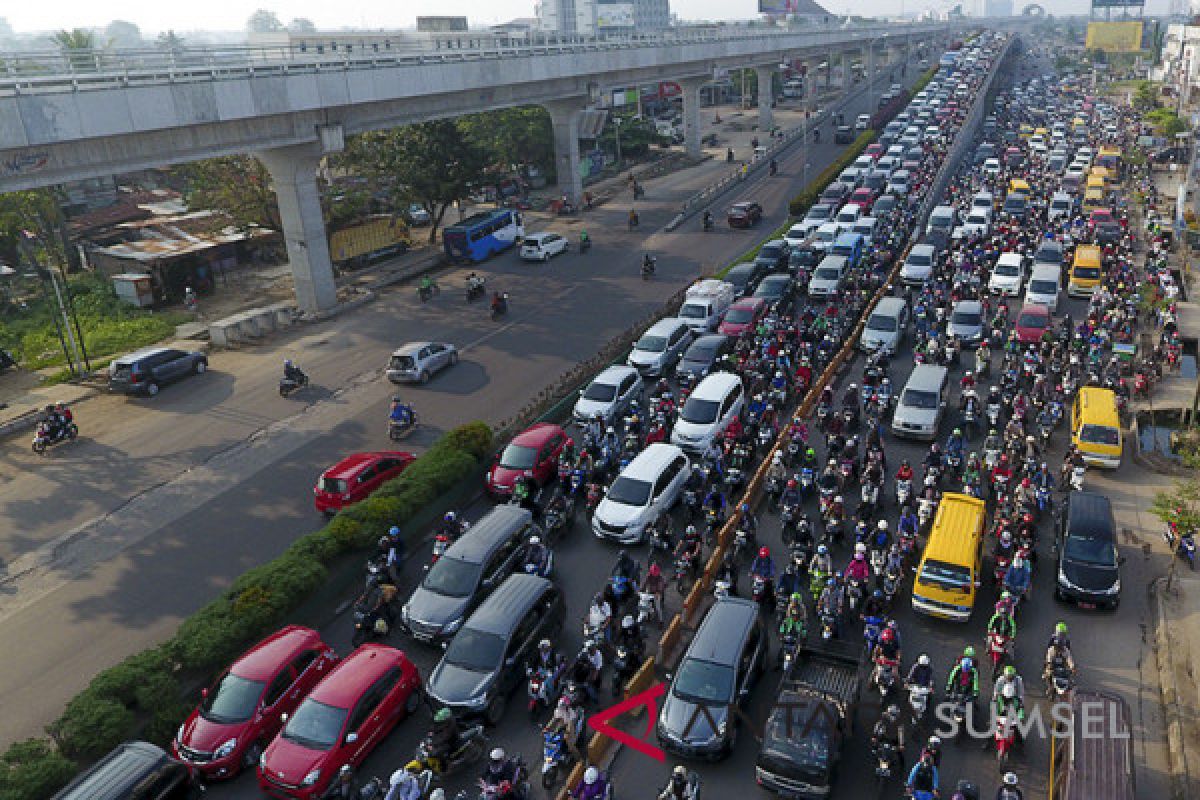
<point x="800" y="204"/>
<point x="143" y="696"/>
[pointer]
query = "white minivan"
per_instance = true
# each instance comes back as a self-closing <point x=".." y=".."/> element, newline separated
<point x="645" y="489"/>
<point x="921" y="404"/>
<point x="661" y="347"/>
<point x="712" y="405"/>
<point x="884" y="329"/>
<point x="1043" y="286"/>
<point x="1008" y="275"/>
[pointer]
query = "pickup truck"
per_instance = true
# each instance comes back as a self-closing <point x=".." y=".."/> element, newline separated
<point x="810" y="722"/>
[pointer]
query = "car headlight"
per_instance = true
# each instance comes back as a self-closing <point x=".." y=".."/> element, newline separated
<point x="311" y="778"/>
<point x="179" y="733"/>
<point x="1116" y="587"/>
<point x="453" y="626"/>
<point x="262" y="760"/>
<point x="225" y="749"/>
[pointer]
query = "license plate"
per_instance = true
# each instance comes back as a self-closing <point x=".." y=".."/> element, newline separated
<point x="1086" y="605"/>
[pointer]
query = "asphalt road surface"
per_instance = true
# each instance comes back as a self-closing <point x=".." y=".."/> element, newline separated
<point x="163" y="502"/>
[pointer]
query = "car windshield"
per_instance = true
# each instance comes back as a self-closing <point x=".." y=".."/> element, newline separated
<point x="704" y="682"/>
<point x="315" y="725"/>
<point x="976" y="219"/>
<point x="1043" y="287"/>
<point x="918" y="398"/>
<point x="881" y="322"/>
<point x="1087" y="273"/>
<point x="517" y="457"/>
<point x="1007" y="270"/>
<point x="600" y="392"/>
<point x="630" y="491"/>
<point x="803" y="741"/>
<point x="967" y="319"/>
<point x="693" y="311"/>
<point x="739" y="315"/>
<point x="403" y="362"/>
<point x="828" y="273"/>
<point x="804" y="258"/>
<point x="820" y="211"/>
<point x="1099" y="551"/>
<point x="920" y="259"/>
<point x="952" y="577"/>
<point x="1100" y="434"/>
<point x="332" y="485"/>
<point x="476" y="651"/>
<point x="234" y="699"/>
<point x="701" y="351"/>
<point x="1031" y="321"/>
<point x="699" y="412"/>
<point x="825" y="236"/>
<point x="770" y="252"/>
<point x="652" y="344"/>
<point x="452" y="577"/>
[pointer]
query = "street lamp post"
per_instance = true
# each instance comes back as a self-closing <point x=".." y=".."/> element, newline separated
<point x="617" y="127"/>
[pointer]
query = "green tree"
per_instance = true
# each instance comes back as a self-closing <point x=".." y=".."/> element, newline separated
<point x="78" y="45"/>
<point x="169" y="40"/>
<point x="238" y="185"/>
<point x="301" y="25"/>
<point x="1166" y="122"/>
<point x="123" y="34"/>
<point x="38" y="211"/>
<point x="263" y="21"/>
<point x="1145" y="97"/>
<point x="432" y="163"/>
<point x="513" y="136"/>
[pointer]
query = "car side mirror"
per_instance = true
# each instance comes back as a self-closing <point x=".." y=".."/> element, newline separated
<point x="204" y="692"/>
<point x="351" y="737"/>
<point x="284" y="717"/>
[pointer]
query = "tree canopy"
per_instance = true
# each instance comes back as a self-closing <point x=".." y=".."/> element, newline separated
<point x="238" y="185"/>
<point x="121" y="33"/>
<point x="301" y="25"/>
<point x="263" y="21"/>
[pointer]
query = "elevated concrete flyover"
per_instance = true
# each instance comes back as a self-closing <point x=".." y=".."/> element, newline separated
<point x="66" y="117"/>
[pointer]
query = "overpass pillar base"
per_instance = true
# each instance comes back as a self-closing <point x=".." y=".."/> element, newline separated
<point x="847" y="77"/>
<point x="691" y="115"/>
<point x="766" y="95"/>
<point x="294" y="173"/>
<point x="564" y="119"/>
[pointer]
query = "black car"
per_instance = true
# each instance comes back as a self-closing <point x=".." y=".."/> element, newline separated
<point x="778" y="291"/>
<point x="744" y="215"/>
<point x="128" y="771"/>
<point x="745" y="277"/>
<point x="485" y="662"/>
<point x="843" y="135"/>
<point x="478" y="562"/>
<point x="773" y="255"/>
<point x="1088" y="561"/>
<point x="983" y="153"/>
<point x="1108" y="231"/>
<point x="884" y="206"/>
<point x="1016" y="206"/>
<point x="701" y="354"/>
<point x="804" y="258"/>
<point x="146" y="371"/>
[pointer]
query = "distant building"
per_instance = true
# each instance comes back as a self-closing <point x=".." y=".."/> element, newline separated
<point x="592" y="17"/>
<point x="441" y="24"/>
<point x="998" y="8"/>
<point x="385" y="41"/>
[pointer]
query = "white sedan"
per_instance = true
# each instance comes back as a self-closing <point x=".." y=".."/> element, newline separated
<point x="991" y="166"/>
<point x="543" y="246"/>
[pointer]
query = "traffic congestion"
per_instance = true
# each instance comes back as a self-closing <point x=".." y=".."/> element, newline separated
<point x="864" y="460"/>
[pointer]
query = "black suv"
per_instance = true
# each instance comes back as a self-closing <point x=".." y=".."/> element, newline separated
<point x="470" y="568"/>
<point x="1089" y="572"/>
<point x="146" y="371"/>
<point x="773" y="255"/>
<point x="486" y="660"/>
<point x="134" y="771"/>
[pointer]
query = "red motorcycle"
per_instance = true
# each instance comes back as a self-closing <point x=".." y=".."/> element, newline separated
<point x="1005" y="738"/>
<point x="1000" y="568"/>
<point x="999" y="650"/>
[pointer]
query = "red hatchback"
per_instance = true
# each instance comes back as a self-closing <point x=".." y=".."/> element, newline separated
<point x="355" y="477"/>
<point x="243" y="709"/>
<point x="340" y="722"/>
<point x="1032" y="321"/>
<point x="743" y="316"/>
<point x="533" y="452"/>
<point x="865" y="197"/>
<point x="874" y="150"/>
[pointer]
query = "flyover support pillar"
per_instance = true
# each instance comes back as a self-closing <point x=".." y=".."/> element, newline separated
<point x="564" y="119"/>
<point x="869" y="64"/>
<point x="766" y="97"/>
<point x="690" y="88"/>
<point x="294" y="174"/>
<point x="847" y="76"/>
<point x="829" y="71"/>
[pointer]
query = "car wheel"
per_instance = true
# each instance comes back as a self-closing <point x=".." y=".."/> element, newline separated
<point x="495" y="710"/>
<point x="453" y="359"/>
<point x="413" y="702"/>
<point x="151" y="389"/>
<point x="251" y="756"/>
<point x="424" y="376"/>
<point x="199" y="367"/>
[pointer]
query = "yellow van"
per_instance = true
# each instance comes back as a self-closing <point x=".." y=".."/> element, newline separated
<point x="1110" y="158"/>
<point x="1025" y="131"/>
<point x="1096" y="181"/>
<point x="949" y="573"/>
<point x="1096" y="427"/>
<point x="1086" y="271"/>
<point x="1093" y="200"/>
<point x="1019" y="186"/>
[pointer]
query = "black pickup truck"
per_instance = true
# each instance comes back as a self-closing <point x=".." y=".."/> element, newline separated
<point x="810" y="722"/>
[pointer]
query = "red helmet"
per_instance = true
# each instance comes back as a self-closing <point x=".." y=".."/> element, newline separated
<point x="888" y="635"/>
<point x="1025" y="483"/>
<point x="1028" y="518"/>
<point x="764" y="552"/>
<point x="791" y="484"/>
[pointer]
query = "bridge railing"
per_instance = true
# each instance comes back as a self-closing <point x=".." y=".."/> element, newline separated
<point x="66" y="71"/>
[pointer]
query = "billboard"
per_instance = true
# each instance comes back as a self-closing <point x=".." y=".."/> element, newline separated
<point x="624" y="97"/>
<point x="778" y="6"/>
<point x="441" y="24"/>
<point x="1115" y="37"/>
<point x="614" y="15"/>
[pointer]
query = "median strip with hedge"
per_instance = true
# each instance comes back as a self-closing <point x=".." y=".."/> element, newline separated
<point x="144" y="695"/>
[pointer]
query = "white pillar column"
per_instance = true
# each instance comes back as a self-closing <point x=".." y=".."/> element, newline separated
<point x="766" y="94"/>
<point x="564" y="119"/>
<point x="847" y="78"/>
<point x="294" y="176"/>
<point x="691" y="115"/>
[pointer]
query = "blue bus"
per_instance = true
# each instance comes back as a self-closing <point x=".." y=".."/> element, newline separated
<point x="481" y="235"/>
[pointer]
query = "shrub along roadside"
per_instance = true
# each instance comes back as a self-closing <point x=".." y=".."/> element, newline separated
<point x="143" y="696"/>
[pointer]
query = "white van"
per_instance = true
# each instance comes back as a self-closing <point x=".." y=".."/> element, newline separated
<point x="921" y="404"/>
<point x="828" y="276"/>
<point x="709" y="409"/>
<point x="1060" y="206"/>
<point x="943" y="218"/>
<point x="985" y="202"/>
<point x="1043" y="286"/>
<point x="886" y="326"/>
<point x="661" y="347"/>
<point x="705" y="303"/>
<point x="645" y="489"/>
<point x="1008" y="275"/>
<point x="918" y="267"/>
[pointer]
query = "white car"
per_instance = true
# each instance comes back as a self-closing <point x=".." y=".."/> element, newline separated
<point x="543" y="246"/>
<point x="416" y="362"/>
<point x="825" y="235"/>
<point x="817" y="216"/>
<point x="918" y="267"/>
<point x="796" y="235"/>
<point x="850" y="214"/>
<point x="977" y="222"/>
<point x="866" y="227"/>
<point x="862" y="122"/>
<point x="608" y="394"/>
<point x="899" y="182"/>
<point x="991" y="166"/>
<point x="1008" y="275"/>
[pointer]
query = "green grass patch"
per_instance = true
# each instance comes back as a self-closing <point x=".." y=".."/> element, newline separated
<point x="110" y="327"/>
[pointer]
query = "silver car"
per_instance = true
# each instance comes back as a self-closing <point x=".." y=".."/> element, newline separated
<point x="416" y="362"/>
<point x="966" y="322"/>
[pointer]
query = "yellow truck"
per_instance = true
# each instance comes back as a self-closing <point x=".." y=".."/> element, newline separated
<point x="373" y="238"/>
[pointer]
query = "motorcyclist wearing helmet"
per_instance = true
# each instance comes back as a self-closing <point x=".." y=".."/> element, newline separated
<point x="1009" y="789"/>
<point x="403" y="786"/>
<point x="500" y="771"/>
<point x="905" y="473"/>
<point x="795" y="618"/>
<point x="1002" y="622"/>
<point x="749" y="522"/>
<point x="964" y="675"/>
<point x="690" y="546"/>
<point x="874" y="606"/>
<point x="789" y="580"/>
<point x="534" y="557"/>
<point x="858" y="569"/>
<point x="392" y="552"/>
<point x="443" y="738"/>
<point x="821" y="562"/>
<point x="830" y="602"/>
<point x="920" y="673"/>
<point x="292" y="372"/>
<point x="890" y="729"/>
<point x="1008" y="692"/>
<point x="924" y="776"/>
<point x="344" y="786"/>
<point x="401" y="413"/>
<point x="594" y="787"/>
<point x="791" y="494"/>
<point x="955" y="444"/>
<point x="933" y="749"/>
<point x="1060" y="636"/>
<point x="715" y="501"/>
<point x="763" y="566"/>
<point x="631" y="637"/>
<point x="547" y="661"/>
<point x="887" y="650"/>
<point x="1057" y="652"/>
<point x="1018" y="577"/>
<point x="680" y="787"/>
<point x="777" y="471"/>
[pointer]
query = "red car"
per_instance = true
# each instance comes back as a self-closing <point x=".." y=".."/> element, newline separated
<point x="1101" y="216"/>
<point x="1032" y="321"/>
<point x="865" y="197"/>
<point x="243" y="709"/>
<point x="744" y="214"/>
<point x="340" y="722"/>
<point x="533" y="452"/>
<point x="743" y="316"/>
<point x="355" y="477"/>
<point x="874" y="150"/>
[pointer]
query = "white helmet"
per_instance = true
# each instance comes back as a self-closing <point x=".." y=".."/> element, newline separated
<point x="1010" y="779"/>
<point x="497" y="754"/>
<point x="882" y="525"/>
<point x="627" y="622"/>
<point x="591" y="775"/>
<point x="535" y="540"/>
<point x="860" y="548"/>
<point x="400" y="777"/>
<point x="923" y="660"/>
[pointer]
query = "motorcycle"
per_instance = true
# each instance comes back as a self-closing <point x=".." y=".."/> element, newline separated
<point x="398" y="430"/>
<point x="518" y="789"/>
<point x="691" y="503"/>
<point x="1000" y="568"/>
<point x="1005" y="738"/>
<point x="885" y="678"/>
<point x="476" y="289"/>
<point x="648" y="268"/>
<point x="742" y="546"/>
<point x="538" y="690"/>
<point x="1186" y="548"/>
<point x="903" y="492"/>
<point x="999" y="650"/>
<point x="624" y="666"/>
<point x="854" y="594"/>
<point x="648" y="608"/>
<point x="1062" y="681"/>
<point x="472" y="743"/>
<point x="993" y="415"/>
<point x="556" y="756"/>
<point x="44" y="437"/>
<point x="1077" y="474"/>
<point x="789" y="644"/>
<point x="773" y="490"/>
<point x="918" y="704"/>
<point x="289" y="385"/>
<point x="760" y="592"/>
<point x="828" y="625"/>
<point x="426" y="293"/>
<point x="877" y="562"/>
<point x="500" y="306"/>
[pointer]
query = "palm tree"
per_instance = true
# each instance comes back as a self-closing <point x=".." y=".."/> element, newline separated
<point x="78" y="46"/>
